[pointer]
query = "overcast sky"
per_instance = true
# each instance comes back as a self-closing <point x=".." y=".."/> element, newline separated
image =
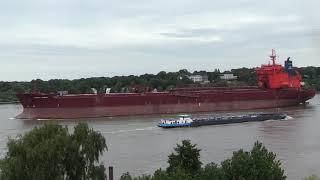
<point x="71" y="39"/>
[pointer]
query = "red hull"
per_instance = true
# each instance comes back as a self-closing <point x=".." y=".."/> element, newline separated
<point x="206" y="100"/>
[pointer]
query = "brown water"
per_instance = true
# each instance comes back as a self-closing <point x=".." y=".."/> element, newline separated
<point x="138" y="146"/>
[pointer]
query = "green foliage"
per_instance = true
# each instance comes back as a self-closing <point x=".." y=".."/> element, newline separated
<point x="126" y="176"/>
<point x="51" y="152"/>
<point x="179" y="174"/>
<point x="259" y="163"/>
<point x="311" y="76"/>
<point x="246" y="75"/>
<point x="9" y="89"/>
<point x="186" y="158"/>
<point x="214" y="76"/>
<point x="210" y="172"/>
<point x="160" y="175"/>
<point x="312" y="177"/>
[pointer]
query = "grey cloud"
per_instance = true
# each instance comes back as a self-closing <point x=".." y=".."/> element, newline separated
<point x="246" y="44"/>
<point x="196" y="32"/>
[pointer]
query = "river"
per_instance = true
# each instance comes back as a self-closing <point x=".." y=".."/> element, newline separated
<point x="136" y="145"/>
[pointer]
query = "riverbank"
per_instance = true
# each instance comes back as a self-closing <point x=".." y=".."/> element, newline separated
<point x="10" y="102"/>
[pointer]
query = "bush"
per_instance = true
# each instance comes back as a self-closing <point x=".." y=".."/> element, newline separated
<point x="312" y="177"/>
<point x="259" y="163"/>
<point x="51" y="152"/>
<point x="210" y="172"/>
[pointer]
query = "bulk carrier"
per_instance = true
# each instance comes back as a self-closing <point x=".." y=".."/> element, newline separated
<point x="278" y="86"/>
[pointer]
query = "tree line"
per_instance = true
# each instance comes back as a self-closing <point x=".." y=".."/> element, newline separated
<point x="146" y="82"/>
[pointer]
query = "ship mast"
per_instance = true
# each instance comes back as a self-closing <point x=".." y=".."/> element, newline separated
<point x="273" y="57"/>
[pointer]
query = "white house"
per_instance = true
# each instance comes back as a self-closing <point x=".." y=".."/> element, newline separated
<point x="199" y="79"/>
<point x="228" y="77"/>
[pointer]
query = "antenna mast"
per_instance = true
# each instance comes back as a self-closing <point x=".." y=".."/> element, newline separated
<point x="273" y="57"/>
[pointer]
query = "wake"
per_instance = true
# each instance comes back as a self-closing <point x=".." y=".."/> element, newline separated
<point x="130" y="130"/>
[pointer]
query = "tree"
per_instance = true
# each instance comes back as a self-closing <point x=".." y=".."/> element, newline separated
<point x="210" y="172"/>
<point x="51" y="152"/>
<point x="186" y="158"/>
<point x="312" y="177"/>
<point x="184" y="72"/>
<point x="259" y="163"/>
<point x="126" y="176"/>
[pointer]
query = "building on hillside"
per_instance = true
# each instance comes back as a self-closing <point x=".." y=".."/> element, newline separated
<point x="199" y="78"/>
<point x="62" y="93"/>
<point x="228" y="76"/>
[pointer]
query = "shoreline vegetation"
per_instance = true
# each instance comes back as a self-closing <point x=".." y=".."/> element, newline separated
<point x="55" y="152"/>
<point x="10" y="102"/>
<point x="141" y="83"/>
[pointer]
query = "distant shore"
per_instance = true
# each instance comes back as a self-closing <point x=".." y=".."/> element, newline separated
<point x="11" y="102"/>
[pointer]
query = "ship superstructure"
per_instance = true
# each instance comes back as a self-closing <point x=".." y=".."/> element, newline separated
<point x="275" y="76"/>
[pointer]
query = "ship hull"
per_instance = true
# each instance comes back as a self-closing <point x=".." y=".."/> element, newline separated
<point x="96" y="112"/>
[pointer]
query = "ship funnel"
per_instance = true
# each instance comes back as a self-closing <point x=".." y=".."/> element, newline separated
<point x="288" y="66"/>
